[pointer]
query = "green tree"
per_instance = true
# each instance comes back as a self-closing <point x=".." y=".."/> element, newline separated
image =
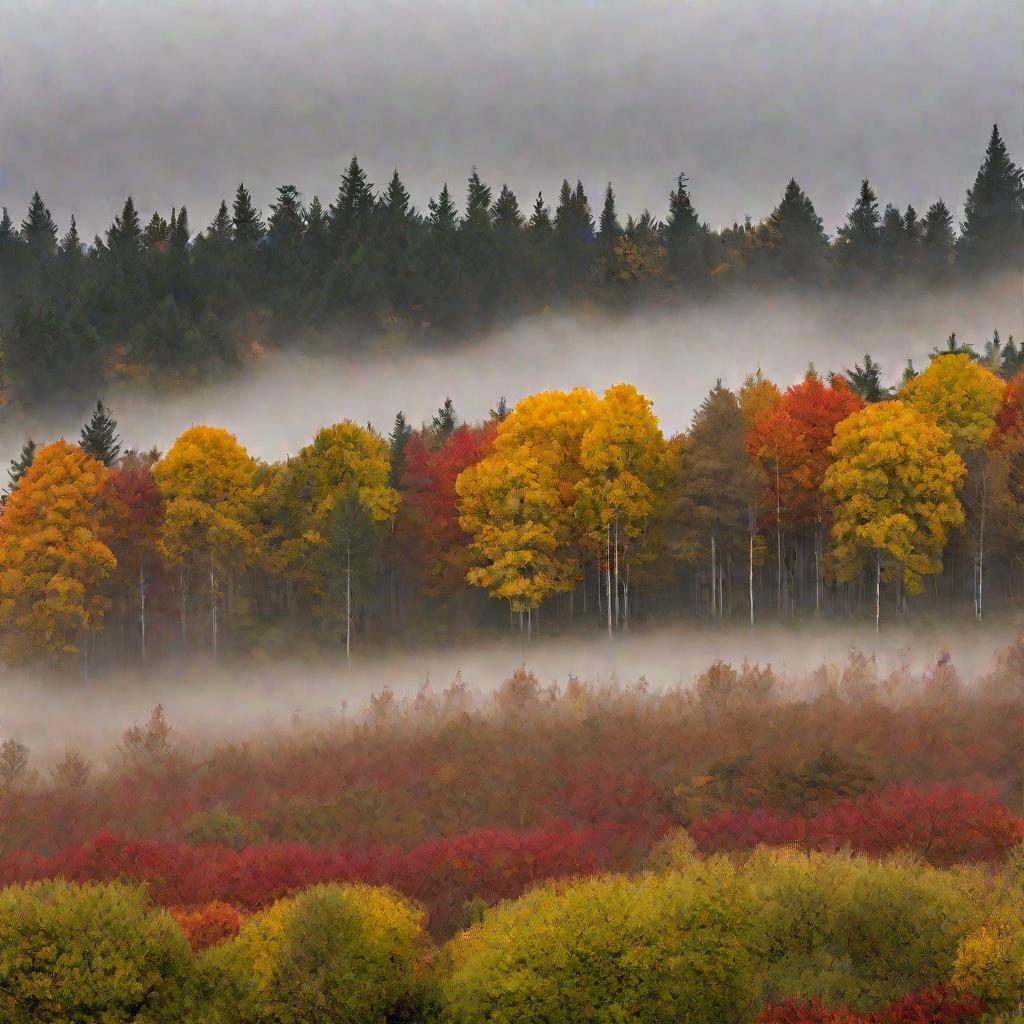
<point x="992" y="233"/>
<point x="99" y="436"/>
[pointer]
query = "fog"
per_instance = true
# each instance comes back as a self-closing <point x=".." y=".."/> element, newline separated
<point x="207" y="703"/>
<point x="175" y="101"/>
<point x="673" y="357"/>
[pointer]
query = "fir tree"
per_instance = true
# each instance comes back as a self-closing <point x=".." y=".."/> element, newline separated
<point x="478" y="203"/>
<point x="442" y="214"/>
<point x="8" y="233"/>
<point x="99" y="436"/>
<point x="857" y="241"/>
<point x="124" y="236"/>
<point x="179" y="235"/>
<point x="245" y="219"/>
<point x="540" y="218"/>
<point x="992" y="233"/>
<point x="791" y="242"/>
<point x="353" y="206"/>
<point x="396" y="201"/>
<point x="445" y="421"/>
<point x="866" y="381"/>
<point x="220" y="229"/>
<point x="609" y="228"/>
<point x="155" y="233"/>
<point x="682" y="219"/>
<point x="71" y="244"/>
<point x="397" y="440"/>
<point x="500" y="412"/>
<point x="937" y="240"/>
<point x="505" y="212"/>
<point x="20" y="466"/>
<point x="286" y="217"/>
<point x="39" y="229"/>
<point x="954" y="347"/>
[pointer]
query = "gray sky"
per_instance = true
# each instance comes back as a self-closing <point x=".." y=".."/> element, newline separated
<point x="176" y="100"/>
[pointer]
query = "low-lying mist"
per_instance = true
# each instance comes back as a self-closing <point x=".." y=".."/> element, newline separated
<point x="208" y="703"/>
<point x="672" y="357"/>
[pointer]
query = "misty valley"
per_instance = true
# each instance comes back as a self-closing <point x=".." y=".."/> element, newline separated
<point x="442" y="604"/>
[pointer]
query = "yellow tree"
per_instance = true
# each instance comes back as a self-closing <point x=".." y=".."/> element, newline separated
<point x="339" y="488"/>
<point x="208" y="481"/>
<point x="627" y="469"/>
<point x="52" y="560"/>
<point x="519" y="505"/>
<point x="893" y="491"/>
<point x="963" y="396"/>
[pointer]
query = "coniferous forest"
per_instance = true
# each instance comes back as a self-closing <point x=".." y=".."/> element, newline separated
<point x="165" y="301"/>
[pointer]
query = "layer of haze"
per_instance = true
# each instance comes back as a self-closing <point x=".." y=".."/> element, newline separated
<point x="206" y="703"/>
<point x="174" y="101"/>
<point x="674" y="358"/>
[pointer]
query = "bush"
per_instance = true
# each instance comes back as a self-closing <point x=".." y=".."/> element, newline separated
<point x="208" y="924"/>
<point x="218" y="827"/>
<point x="70" y="954"/>
<point x="649" y="949"/>
<point x="345" y="954"/>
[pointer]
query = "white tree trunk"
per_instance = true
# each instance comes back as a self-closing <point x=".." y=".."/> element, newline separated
<point x="142" y="612"/>
<point x="750" y="577"/>
<point x="348" y="600"/>
<point x="608" y="580"/>
<point x="618" y="613"/>
<point x="878" y="591"/>
<point x="213" y="608"/>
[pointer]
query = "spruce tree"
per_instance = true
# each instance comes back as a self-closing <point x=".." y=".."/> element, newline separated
<point x="220" y="229"/>
<point x="445" y="421"/>
<point x="396" y="201"/>
<point x="39" y="229"/>
<point x="397" y="440"/>
<point x="866" y="381"/>
<point x="682" y="219"/>
<point x="350" y="212"/>
<point x="246" y="222"/>
<point x="99" y="436"/>
<point x="478" y="203"/>
<point x="791" y="242"/>
<point x="443" y="217"/>
<point x="287" y="216"/>
<point x="857" y="240"/>
<point x="124" y="236"/>
<point x="500" y="412"/>
<point x="71" y="244"/>
<point x="992" y="233"/>
<point x="684" y="237"/>
<point x="540" y="219"/>
<point x="609" y="228"/>
<point x="20" y="466"/>
<point x="179" y="235"/>
<point x="505" y="212"/>
<point x="938" y="242"/>
<point x="155" y="233"/>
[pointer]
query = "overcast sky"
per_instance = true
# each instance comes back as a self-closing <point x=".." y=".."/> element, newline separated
<point x="174" y="101"/>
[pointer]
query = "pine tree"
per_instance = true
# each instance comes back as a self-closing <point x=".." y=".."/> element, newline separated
<point x="992" y="233"/>
<point x="179" y="234"/>
<point x="155" y="233"/>
<point x="99" y="436"/>
<point x="791" y="242"/>
<point x="445" y="421"/>
<point x="540" y="219"/>
<point x="245" y="219"/>
<point x="220" y="229"/>
<point x="500" y="412"/>
<point x="682" y="219"/>
<point x="442" y="214"/>
<point x="857" y="240"/>
<point x="397" y="440"/>
<point x="505" y="212"/>
<point x="866" y="381"/>
<point x="20" y="465"/>
<point x="39" y="229"/>
<point x="71" y="244"/>
<point x="396" y="201"/>
<point x="609" y="228"/>
<point x="286" y="217"/>
<point x="685" y="237"/>
<point x="353" y="206"/>
<point x="478" y="204"/>
<point x="938" y="242"/>
<point x="8" y="234"/>
<point x="124" y="236"/>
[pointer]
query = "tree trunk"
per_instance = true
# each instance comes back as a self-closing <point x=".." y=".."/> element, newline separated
<point x="878" y="591"/>
<point x="714" y="581"/>
<point x="618" y="612"/>
<point x="608" y="579"/>
<point x="981" y="547"/>
<point x="213" y="607"/>
<point x="183" y="605"/>
<point x="348" y="600"/>
<point x="778" y="528"/>
<point x="750" y="577"/>
<point x="142" y="613"/>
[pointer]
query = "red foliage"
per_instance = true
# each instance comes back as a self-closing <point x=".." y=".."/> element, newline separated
<point x="1008" y="415"/>
<point x="442" y="874"/>
<point x="209" y="924"/>
<point x="430" y="504"/>
<point x="939" y="1005"/>
<point x="944" y="824"/>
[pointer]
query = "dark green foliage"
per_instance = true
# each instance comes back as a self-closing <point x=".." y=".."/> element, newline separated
<point x="445" y="421"/>
<point x="99" y="436"/>
<point x="993" y="227"/>
<point x="20" y="465"/>
<point x="865" y="379"/>
<point x="397" y="440"/>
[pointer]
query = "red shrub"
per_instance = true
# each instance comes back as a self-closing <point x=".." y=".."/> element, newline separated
<point x="939" y="1005"/>
<point x="208" y="924"/>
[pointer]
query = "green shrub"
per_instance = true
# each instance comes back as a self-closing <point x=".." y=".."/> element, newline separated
<point x="333" y="955"/>
<point x="652" y="949"/>
<point x="71" y="954"/>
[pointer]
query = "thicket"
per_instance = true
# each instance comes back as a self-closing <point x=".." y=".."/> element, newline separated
<point x="779" y="937"/>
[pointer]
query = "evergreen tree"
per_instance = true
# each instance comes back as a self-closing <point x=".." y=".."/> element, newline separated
<point x="99" y="436"/>
<point x="500" y="412"/>
<point x="992" y="233"/>
<point x="124" y="236"/>
<point x="284" y="229"/>
<point x="857" y="240"/>
<point x="443" y="217"/>
<point x="155" y="233"/>
<point x="685" y="237"/>
<point x="445" y="421"/>
<point x="179" y="235"/>
<point x="609" y="228"/>
<point x="71" y="244"/>
<point x="540" y="219"/>
<point x="396" y="201"/>
<point x="20" y="466"/>
<point x="478" y="203"/>
<point x="246" y="221"/>
<point x="866" y="381"/>
<point x="39" y="229"/>
<point x="220" y="229"/>
<point x="938" y="242"/>
<point x="791" y="242"/>
<point x="351" y="210"/>
<point x="8" y="233"/>
<point x="954" y="347"/>
<point x="505" y="212"/>
<point x="397" y="440"/>
<point x="316" y="239"/>
<point x="682" y="219"/>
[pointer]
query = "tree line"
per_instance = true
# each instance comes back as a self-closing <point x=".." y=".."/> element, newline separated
<point x="837" y="497"/>
<point x="155" y="301"/>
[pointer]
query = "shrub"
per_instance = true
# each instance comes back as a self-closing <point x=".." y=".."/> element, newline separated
<point x="220" y="827"/>
<point x="939" y="1005"/>
<point x="345" y="954"/>
<point x="70" y="954"/>
<point x="208" y="924"/>
<point x="648" y="949"/>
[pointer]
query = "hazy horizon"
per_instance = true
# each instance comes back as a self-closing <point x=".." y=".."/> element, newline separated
<point x="175" y="102"/>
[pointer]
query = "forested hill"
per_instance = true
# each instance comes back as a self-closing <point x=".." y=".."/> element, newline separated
<point x="156" y="302"/>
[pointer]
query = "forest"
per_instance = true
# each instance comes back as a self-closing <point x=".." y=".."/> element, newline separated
<point x="843" y="846"/>
<point x="153" y="302"/>
<point x="839" y="498"/>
